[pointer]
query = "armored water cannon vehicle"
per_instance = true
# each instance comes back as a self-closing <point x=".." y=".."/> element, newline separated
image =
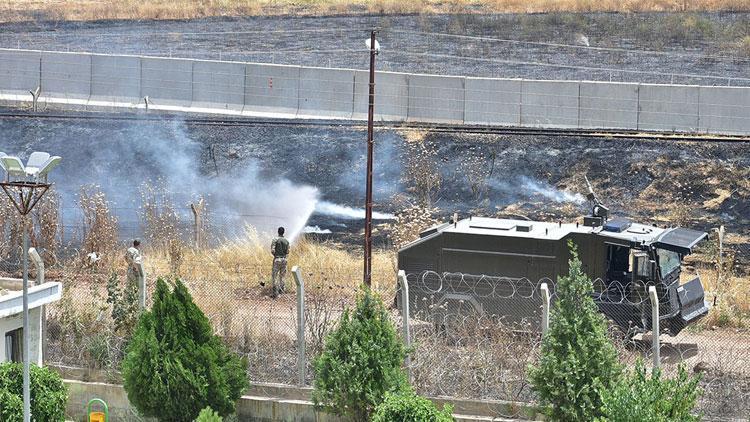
<point x="495" y="267"/>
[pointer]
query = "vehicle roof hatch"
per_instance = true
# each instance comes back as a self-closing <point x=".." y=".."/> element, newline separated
<point x="618" y="225"/>
<point x="680" y="240"/>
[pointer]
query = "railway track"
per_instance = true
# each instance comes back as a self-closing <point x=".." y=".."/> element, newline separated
<point x="359" y="125"/>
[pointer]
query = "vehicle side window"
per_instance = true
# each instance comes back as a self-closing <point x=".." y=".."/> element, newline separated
<point x="618" y="257"/>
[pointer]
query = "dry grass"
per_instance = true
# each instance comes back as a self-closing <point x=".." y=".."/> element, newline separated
<point x="23" y="10"/>
<point x="248" y="259"/>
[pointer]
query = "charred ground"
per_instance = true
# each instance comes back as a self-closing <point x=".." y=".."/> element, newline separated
<point x="699" y="183"/>
<point x="639" y="47"/>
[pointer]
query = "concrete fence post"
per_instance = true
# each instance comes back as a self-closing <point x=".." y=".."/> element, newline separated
<point x="655" y="325"/>
<point x="39" y="264"/>
<point x="301" y="362"/>
<point x="404" y="285"/>
<point x="141" y="286"/>
<point x="545" y="307"/>
<point x="197" y="209"/>
<point x="721" y="255"/>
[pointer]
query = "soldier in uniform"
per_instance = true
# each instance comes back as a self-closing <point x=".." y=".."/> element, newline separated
<point x="280" y="251"/>
<point x="134" y="259"/>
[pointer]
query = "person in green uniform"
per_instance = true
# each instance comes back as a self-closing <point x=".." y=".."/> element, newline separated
<point x="280" y="252"/>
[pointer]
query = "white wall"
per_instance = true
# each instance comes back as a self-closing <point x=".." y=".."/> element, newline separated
<point x="16" y="321"/>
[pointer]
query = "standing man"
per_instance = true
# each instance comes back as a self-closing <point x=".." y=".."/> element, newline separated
<point x="134" y="260"/>
<point x="280" y="251"/>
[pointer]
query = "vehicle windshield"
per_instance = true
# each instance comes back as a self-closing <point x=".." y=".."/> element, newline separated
<point x="668" y="261"/>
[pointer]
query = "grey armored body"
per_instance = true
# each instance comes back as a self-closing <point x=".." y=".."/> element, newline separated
<point x="494" y="267"/>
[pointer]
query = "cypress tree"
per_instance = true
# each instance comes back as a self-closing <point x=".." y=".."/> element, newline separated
<point x="578" y="362"/>
<point x="175" y="366"/>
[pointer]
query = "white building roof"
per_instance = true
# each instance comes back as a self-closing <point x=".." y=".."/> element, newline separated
<point x="12" y="303"/>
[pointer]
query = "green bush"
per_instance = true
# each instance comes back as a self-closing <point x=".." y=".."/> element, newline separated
<point x="175" y="366"/>
<point x="208" y="415"/>
<point x="48" y="394"/>
<point x="11" y="407"/>
<point x="643" y="398"/>
<point x="577" y="360"/>
<point x="360" y="362"/>
<point x="125" y="306"/>
<point x="406" y="406"/>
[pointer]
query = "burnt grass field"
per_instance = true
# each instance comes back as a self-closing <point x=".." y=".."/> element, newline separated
<point x="685" y="48"/>
<point x="700" y="184"/>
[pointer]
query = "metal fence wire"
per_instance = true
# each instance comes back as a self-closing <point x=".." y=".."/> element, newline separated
<point x="472" y="336"/>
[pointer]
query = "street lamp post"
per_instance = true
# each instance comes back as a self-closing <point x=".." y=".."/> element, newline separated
<point x="25" y="186"/>
<point x="374" y="50"/>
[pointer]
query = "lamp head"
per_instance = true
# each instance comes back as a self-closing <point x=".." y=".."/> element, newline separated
<point x="369" y="47"/>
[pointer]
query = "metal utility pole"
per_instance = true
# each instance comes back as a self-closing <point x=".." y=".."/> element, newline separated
<point x="25" y="188"/>
<point x="368" y="195"/>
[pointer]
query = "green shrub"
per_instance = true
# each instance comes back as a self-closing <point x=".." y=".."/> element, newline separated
<point x="360" y="362"/>
<point x="48" y="394"/>
<point x="405" y="406"/>
<point x="643" y="398"/>
<point x="208" y="415"/>
<point x="11" y="407"/>
<point x="125" y="306"/>
<point x="577" y="359"/>
<point x="175" y="366"/>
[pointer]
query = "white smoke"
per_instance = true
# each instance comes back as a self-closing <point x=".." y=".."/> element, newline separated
<point x="348" y="213"/>
<point x="550" y="192"/>
<point x="316" y="230"/>
<point x="242" y="195"/>
<point x="165" y="155"/>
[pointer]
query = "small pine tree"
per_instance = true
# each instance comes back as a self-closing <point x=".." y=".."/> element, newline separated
<point x="577" y="360"/>
<point x="643" y="398"/>
<point x="208" y="415"/>
<point x="175" y="366"/>
<point x="360" y="362"/>
<point x="124" y="304"/>
<point x="406" y="406"/>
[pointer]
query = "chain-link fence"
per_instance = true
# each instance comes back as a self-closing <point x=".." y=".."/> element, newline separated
<point x="472" y="336"/>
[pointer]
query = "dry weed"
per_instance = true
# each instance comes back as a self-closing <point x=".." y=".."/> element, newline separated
<point x="46" y="223"/>
<point x="422" y="175"/>
<point x="100" y="229"/>
<point x="25" y="10"/>
<point x="161" y="224"/>
<point x="409" y="223"/>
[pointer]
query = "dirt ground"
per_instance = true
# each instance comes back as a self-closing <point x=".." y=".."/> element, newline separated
<point x="646" y="47"/>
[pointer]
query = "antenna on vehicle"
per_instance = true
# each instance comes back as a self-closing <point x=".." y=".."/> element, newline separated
<point x="599" y="212"/>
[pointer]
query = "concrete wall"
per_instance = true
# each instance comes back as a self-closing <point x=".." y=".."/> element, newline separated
<point x="167" y="82"/>
<point x="66" y="76"/>
<point x="438" y="99"/>
<point x="283" y="403"/>
<point x="278" y="91"/>
<point x="115" y="79"/>
<point x="492" y="101"/>
<point x="271" y="89"/>
<point x="326" y="93"/>
<point x="391" y="99"/>
<point x="608" y="105"/>
<point x="218" y="85"/>
<point x="668" y="108"/>
<point x="19" y="71"/>
<point x="724" y="110"/>
<point x="14" y="322"/>
<point x="549" y="104"/>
